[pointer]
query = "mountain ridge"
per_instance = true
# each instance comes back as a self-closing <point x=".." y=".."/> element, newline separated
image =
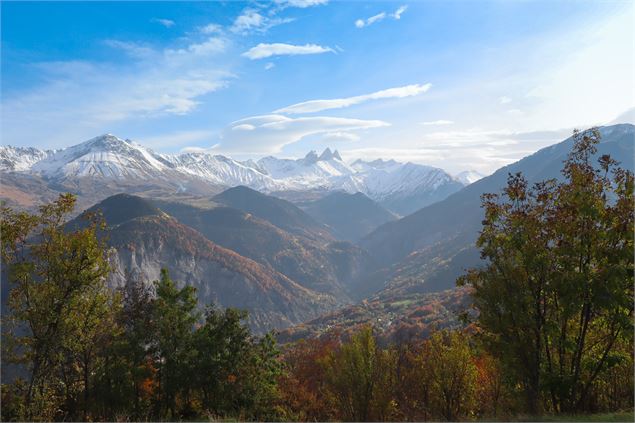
<point x="112" y="160"/>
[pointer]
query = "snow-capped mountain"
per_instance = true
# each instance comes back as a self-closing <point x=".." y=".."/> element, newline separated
<point x="402" y="187"/>
<point x="105" y="156"/>
<point x="222" y="170"/>
<point x="469" y="177"/>
<point x="327" y="171"/>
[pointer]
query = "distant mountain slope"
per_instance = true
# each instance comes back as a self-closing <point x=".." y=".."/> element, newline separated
<point x="445" y="231"/>
<point x="146" y="239"/>
<point x="122" y="207"/>
<point x="281" y="213"/>
<point x="323" y="267"/>
<point x="350" y="216"/>
<point x="398" y="319"/>
<point x="404" y="187"/>
<point x="19" y="159"/>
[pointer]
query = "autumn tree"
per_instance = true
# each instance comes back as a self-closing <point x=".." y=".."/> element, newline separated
<point x="360" y="378"/>
<point x="52" y="271"/>
<point x="556" y="294"/>
<point x="451" y="374"/>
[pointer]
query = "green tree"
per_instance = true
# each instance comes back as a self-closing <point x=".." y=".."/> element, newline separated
<point x="173" y="316"/>
<point x="360" y="378"/>
<point x="556" y="293"/>
<point x="451" y="374"/>
<point x="221" y="344"/>
<point x="126" y="365"/>
<point x="51" y="269"/>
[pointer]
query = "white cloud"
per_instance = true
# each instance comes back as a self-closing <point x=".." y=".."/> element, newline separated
<point x="437" y="122"/>
<point x="457" y="150"/>
<point x="361" y="23"/>
<point x="398" y="12"/>
<point x="243" y="127"/>
<point x="341" y="136"/>
<point x="313" y="106"/>
<point x="504" y="100"/>
<point x="251" y="20"/>
<point x="168" y="23"/>
<point x="262" y="50"/>
<point x="132" y="49"/>
<point x="79" y="98"/>
<point x="269" y="65"/>
<point x="301" y="3"/>
<point x="211" y="149"/>
<point x="211" y="29"/>
<point x="176" y="139"/>
<point x="210" y="46"/>
<point x="272" y="132"/>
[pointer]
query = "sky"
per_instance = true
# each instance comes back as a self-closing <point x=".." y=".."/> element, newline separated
<point x="454" y="84"/>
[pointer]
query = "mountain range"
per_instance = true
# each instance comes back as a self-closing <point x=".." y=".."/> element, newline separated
<point x="117" y="165"/>
<point x="314" y="242"/>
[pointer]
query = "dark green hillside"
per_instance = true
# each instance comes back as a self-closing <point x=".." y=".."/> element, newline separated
<point x="322" y="267"/>
<point x="350" y="216"/>
<point x="281" y="213"/>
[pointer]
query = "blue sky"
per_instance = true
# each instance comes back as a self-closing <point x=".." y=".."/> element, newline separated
<point x="455" y="84"/>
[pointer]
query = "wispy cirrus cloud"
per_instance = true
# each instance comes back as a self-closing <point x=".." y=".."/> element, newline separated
<point x="252" y="20"/>
<point x="264" y="50"/>
<point x="268" y="134"/>
<point x="132" y="49"/>
<point x="168" y="23"/>
<point x="437" y="122"/>
<point x="210" y="46"/>
<point x="211" y="28"/>
<point x="361" y="23"/>
<point x="79" y="98"/>
<point x="504" y="100"/>
<point x="313" y="106"/>
<point x="177" y="138"/>
<point x="301" y="3"/>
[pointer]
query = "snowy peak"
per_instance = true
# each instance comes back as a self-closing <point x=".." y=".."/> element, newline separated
<point x="104" y="156"/>
<point x="327" y="154"/>
<point x="469" y="177"/>
<point x="310" y="158"/>
<point x="112" y="158"/>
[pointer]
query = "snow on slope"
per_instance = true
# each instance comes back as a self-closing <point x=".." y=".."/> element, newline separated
<point x="469" y="177"/>
<point x="105" y="156"/>
<point x="224" y="171"/>
<point x="19" y="159"/>
<point x="383" y="178"/>
<point x="328" y="171"/>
